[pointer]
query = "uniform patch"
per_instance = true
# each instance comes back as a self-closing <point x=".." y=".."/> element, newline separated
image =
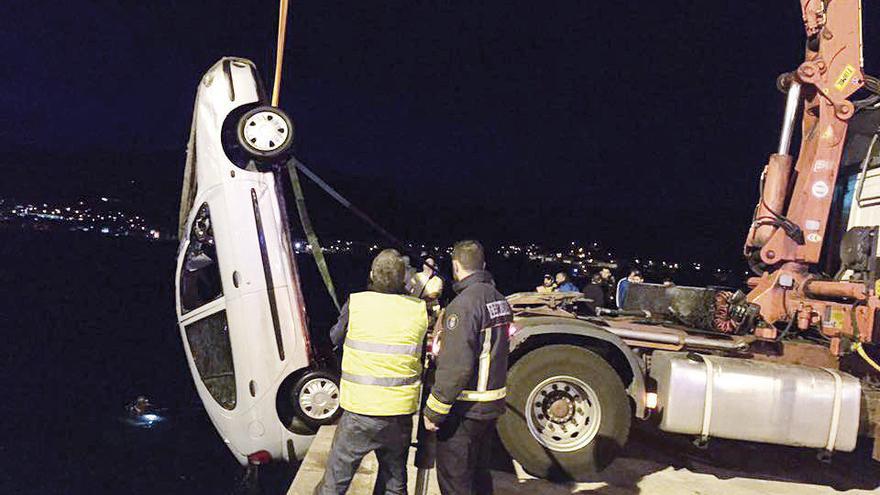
<point x="451" y="321"/>
<point x="498" y="309"/>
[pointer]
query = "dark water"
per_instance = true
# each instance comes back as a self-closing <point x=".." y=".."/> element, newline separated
<point x="88" y="324"/>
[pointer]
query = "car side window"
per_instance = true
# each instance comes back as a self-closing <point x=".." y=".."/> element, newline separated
<point x="208" y="339"/>
<point x="200" y="281"/>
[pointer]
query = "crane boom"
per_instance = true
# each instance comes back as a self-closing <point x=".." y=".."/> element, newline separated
<point x="788" y="231"/>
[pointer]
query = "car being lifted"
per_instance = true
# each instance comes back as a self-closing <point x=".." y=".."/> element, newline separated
<point x="239" y="304"/>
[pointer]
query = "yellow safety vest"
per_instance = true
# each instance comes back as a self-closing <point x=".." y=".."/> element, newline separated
<point x="381" y="360"/>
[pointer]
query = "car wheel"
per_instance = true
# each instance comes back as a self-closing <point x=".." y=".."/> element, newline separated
<point x="568" y="415"/>
<point x="315" y="398"/>
<point x="265" y="132"/>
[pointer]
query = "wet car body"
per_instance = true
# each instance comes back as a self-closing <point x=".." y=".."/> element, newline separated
<point x="239" y="306"/>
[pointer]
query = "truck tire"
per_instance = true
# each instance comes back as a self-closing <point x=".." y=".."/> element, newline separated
<point x="568" y="415"/>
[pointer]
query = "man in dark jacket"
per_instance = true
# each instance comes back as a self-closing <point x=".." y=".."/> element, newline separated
<point x="595" y="293"/>
<point x="609" y="285"/>
<point x="471" y="375"/>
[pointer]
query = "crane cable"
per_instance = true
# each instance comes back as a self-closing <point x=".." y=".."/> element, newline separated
<point x="305" y="219"/>
<point x="279" y="50"/>
<point x="293" y="164"/>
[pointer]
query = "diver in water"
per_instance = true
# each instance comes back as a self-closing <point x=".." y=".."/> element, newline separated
<point x="143" y="414"/>
<point x="140" y="406"/>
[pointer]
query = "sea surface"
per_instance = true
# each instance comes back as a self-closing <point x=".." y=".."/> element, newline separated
<point x="88" y="324"/>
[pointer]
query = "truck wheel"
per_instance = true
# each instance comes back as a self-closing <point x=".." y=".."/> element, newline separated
<point x="568" y="415"/>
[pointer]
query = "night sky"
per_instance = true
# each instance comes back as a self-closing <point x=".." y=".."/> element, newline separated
<point x="641" y="124"/>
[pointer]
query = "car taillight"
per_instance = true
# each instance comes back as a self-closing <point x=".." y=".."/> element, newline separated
<point x="259" y="457"/>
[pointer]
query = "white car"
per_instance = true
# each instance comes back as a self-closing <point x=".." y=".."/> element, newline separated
<point x="239" y="304"/>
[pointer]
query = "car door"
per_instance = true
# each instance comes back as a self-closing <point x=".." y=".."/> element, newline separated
<point x="202" y="311"/>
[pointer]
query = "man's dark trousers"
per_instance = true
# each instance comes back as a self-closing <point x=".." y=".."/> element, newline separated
<point x="463" y="453"/>
<point x="356" y="436"/>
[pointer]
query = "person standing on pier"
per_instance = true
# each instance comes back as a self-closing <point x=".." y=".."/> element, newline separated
<point x="382" y="332"/>
<point x="471" y="375"/>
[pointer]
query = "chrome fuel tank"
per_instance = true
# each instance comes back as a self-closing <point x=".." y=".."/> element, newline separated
<point x="757" y="401"/>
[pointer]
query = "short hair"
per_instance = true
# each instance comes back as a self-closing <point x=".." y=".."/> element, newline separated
<point x="597" y="279"/>
<point x="469" y="254"/>
<point x="564" y="275"/>
<point x="387" y="272"/>
<point x="635" y="271"/>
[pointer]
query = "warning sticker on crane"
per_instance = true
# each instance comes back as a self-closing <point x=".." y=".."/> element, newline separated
<point x="845" y="77"/>
<point x="834" y="318"/>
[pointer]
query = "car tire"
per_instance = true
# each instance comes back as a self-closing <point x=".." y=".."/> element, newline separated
<point x="315" y="398"/>
<point x="589" y="389"/>
<point x="265" y="132"/>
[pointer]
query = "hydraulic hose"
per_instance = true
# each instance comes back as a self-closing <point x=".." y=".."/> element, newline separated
<point x="860" y="349"/>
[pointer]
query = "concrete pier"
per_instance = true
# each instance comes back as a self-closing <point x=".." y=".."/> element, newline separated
<point x="656" y="464"/>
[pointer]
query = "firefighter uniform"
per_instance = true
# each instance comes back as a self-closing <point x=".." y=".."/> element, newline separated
<point x="380" y="384"/>
<point x="470" y="384"/>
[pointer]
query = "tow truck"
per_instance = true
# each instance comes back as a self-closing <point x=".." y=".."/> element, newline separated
<point x="785" y="361"/>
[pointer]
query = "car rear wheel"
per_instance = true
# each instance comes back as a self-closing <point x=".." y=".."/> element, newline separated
<point x="568" y="415"/>
<point x="265" y="132"/>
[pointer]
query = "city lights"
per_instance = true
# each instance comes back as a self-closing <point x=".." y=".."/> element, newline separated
<point x="100" y="216"/>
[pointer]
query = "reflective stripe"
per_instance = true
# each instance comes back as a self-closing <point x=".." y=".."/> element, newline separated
<point x="486" y="396"/>
<point x="485" y="359"/>
<point x="381" y="367"/>
<point x="435" y="405"/>
<point x="360" y="345"/>
<point x="382" y="381"/>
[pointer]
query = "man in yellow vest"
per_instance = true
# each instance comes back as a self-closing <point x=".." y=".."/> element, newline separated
<point x="382" y="332"/>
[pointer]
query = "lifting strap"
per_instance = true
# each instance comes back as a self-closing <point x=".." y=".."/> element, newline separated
<point x="835" y="409"/>
<point x="393" y="240"/>
<point x="293" y="164"/>
<point x="308" y="229"/>
<point x="344" y="202"/>
<point x="707" y="399"/>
